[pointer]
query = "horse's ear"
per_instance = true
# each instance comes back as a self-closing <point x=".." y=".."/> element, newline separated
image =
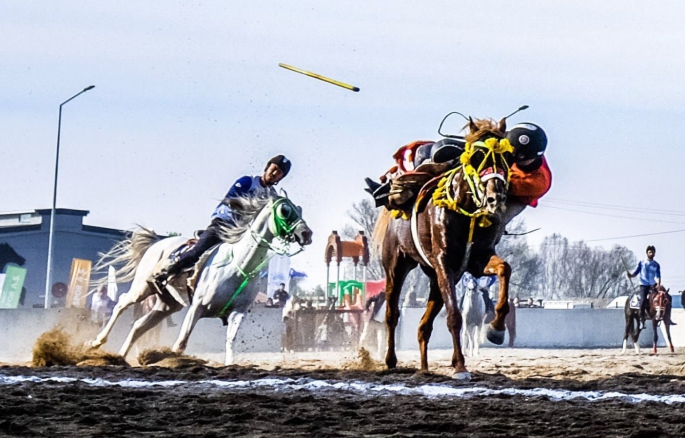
<point x="503" y="125"/>
<point x="472" y="126"/>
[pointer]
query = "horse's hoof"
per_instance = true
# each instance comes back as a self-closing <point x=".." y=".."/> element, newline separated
<point x="463" y="376"/>
<point x="495" y="336"/>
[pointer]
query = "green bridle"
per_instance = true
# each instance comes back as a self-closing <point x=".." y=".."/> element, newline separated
<point x="285" y="218"/>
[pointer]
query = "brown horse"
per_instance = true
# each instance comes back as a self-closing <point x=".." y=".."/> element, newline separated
<point x="659" y="311"/>
<point x="453" y="232"/>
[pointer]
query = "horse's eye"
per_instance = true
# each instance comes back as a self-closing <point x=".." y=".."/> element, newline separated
<point x="286" y="211"/>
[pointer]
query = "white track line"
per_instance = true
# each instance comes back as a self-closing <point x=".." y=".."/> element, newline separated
<point x="428" y="390"/>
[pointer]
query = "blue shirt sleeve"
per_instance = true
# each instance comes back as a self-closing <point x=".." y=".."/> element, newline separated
<point x="240" y="187"/>
<point x="658" y="271"/>
<point x="637" y="270"/>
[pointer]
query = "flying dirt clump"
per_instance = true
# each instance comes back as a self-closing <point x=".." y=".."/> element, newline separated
<point x="166" y="358"/>
<point x="55" y="348"/>
<point x="363" y="362"/>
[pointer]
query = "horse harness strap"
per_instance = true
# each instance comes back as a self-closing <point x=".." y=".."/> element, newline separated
<point x="247" y="276"/>
<point x="419" y="247"/>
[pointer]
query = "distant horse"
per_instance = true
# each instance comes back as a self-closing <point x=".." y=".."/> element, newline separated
<point x="474" y="318"/>
<point x="659" y="311"/>
<point x="510" y="323"/>
<point x="9" y="255"/>
<point x="224" y="273"/>
<point x="453" y="232"/>
<point x="373" y="336"/>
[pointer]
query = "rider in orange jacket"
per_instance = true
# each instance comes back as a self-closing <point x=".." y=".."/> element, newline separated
<point x="530" y="177"/>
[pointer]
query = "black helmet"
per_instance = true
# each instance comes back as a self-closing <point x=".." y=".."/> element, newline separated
<point x="282" y="162"/>
<point x="528" y="139"/>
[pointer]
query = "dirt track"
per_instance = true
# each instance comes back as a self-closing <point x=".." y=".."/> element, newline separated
<point x="193" y="409"/>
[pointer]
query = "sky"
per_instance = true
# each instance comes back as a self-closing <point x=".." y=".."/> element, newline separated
<point x="189" y="97"/>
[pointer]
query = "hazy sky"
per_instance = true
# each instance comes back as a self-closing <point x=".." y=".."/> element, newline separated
<point x="189" y="97"/>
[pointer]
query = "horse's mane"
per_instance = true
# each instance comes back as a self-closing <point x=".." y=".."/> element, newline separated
<point x="484" y="126"/>
<point x="245" y="209"/>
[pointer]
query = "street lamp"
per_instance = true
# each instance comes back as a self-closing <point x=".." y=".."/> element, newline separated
<point x="48" y="277"/>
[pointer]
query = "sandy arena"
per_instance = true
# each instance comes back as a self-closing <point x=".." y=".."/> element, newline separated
<point x="517" y="392"/>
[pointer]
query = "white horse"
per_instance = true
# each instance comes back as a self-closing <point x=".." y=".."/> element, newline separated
<point x="474" y="317"/>
<point x="224" y="272"/>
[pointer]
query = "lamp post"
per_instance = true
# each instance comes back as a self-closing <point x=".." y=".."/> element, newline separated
<point x="48" y="276"/>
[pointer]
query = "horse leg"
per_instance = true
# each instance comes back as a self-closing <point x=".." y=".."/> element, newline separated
<point x="627" y="332"/>
<point x="234" y="320"/>
<point x="666" y="328"/>
<point x="393" y="287"/>
<point x="497" y="266"/>
<point x="656" y="334"/>
<point x="145" y="323"/>
<point x="138" y="292"/>
<point x="192" y="317"/>
<point x="433" y="307"/>
<point x="446" y="281"/>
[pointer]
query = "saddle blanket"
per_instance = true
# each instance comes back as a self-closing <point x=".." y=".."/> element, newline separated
<point x="635" y="301"/>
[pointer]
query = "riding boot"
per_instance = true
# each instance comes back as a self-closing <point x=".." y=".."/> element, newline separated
<point x="162" y="278"/>
<point x="378" y="191"/>
<point x="372" y="185"/>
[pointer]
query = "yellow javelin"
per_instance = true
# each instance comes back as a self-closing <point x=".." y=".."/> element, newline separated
<point x="319" y="77"/>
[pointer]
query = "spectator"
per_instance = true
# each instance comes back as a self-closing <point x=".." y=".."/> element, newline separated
<point x="281" y="295"/>
<point x="101" y="307"/>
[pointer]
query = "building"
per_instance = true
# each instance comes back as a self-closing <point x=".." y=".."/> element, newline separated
<point x="27" y="234"/>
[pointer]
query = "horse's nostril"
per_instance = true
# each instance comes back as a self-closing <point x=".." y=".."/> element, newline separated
<point x="491" y="200"/>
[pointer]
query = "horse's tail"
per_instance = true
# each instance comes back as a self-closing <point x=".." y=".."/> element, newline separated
<point x="378" y="235"/>
<point x="128" y="252"/>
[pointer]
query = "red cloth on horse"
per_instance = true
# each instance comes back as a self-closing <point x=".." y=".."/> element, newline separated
<point x="529" y="187"/>
<point x="405" y="155"/>
<point x="374" y="288"/>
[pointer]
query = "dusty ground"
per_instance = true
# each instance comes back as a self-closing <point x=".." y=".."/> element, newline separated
<point x="79" y="409"/>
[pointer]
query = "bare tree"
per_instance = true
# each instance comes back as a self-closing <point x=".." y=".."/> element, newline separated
<point x="364" y="215"/>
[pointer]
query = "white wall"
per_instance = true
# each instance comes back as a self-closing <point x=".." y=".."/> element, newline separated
<point x="262" y="328"/>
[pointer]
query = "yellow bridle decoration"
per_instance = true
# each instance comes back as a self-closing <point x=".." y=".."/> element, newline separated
<point x="442" y="196"/>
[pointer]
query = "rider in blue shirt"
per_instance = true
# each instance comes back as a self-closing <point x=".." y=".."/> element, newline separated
<point x="276" y="169"/>
<point x="650" y="276"/>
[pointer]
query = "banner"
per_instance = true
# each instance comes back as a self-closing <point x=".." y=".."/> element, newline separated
<point x="279" y="270"/>
<point x="296" y="274"/>
<point x="112" y="289"/>
<point x="11" y="287"/>
<point x="78" y="283"/>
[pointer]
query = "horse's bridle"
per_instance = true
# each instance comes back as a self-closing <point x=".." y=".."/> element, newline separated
<point x="477" y="177"/>
<point x="283" y="227"/>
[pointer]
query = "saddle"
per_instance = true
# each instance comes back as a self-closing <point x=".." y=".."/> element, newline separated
<point x="405" y="188"/>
